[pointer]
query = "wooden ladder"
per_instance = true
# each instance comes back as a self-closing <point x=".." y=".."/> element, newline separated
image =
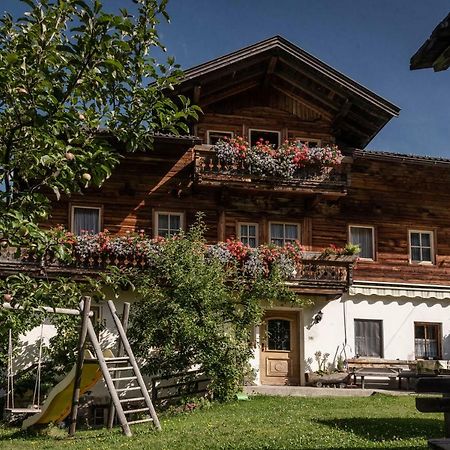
<point x="111" y="369"/>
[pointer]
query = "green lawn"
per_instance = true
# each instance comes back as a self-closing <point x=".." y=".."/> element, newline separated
<point x="264" y="423"/>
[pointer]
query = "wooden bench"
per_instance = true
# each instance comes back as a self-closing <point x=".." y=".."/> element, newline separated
<point x="376" y="368"/>
<point x="436" y="385"/>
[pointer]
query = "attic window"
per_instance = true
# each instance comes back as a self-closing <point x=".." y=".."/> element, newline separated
<point x="215" y="136"/>
<point x="273" y="137"/>
<point x="311" y="143"/>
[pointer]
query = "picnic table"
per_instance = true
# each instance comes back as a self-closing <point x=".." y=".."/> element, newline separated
<point x="436" y="385"/>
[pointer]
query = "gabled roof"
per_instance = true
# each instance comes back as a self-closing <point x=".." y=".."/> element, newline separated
<point x="356" y="113"/>
<point x="435" y="51"/>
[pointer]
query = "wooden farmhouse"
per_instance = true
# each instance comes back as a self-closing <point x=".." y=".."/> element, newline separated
<point x="392" y="303"/>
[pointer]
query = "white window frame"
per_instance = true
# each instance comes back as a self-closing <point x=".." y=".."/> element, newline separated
<point x="277" y="222"/>
<point x="72" y="215"/>
<point x="255" y="224"/>
<point x="432" y="250"/>
<point x="374" y="252"/>
<point x="208" y="133"/>
<point x="265" y="131"/>
<point x="169" y="213"/>
<point x="307" y="140"/>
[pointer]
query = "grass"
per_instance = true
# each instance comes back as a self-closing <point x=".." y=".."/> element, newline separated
<point x="263" y="423"/>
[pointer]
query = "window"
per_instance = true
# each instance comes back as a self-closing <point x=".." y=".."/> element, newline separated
<point x="282" y="233"/>
<point x="248" y="234"/>
<point x="427" y="340"/>
<point x="273" y="137"/>
<point x="421" y="246"/>
<point x="85" y="219"/>
<point x="214" y="136"/>
<point x="311" y="143"/>
<point x="364" y="237"/>
<point x="369" y="338"/>
<point x="279" y="334"/>
<point x="168" y="224"/>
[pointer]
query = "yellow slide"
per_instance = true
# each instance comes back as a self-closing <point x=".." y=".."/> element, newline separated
<point x="58" y="404"/>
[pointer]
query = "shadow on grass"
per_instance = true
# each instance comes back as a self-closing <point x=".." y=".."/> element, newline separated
<point x="388" y="428"/>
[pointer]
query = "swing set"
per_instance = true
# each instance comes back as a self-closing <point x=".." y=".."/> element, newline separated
<point x="63" y="400"/>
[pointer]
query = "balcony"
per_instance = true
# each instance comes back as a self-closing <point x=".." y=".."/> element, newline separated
<point x="210" y="172"/>
<point x="315" y="274"/>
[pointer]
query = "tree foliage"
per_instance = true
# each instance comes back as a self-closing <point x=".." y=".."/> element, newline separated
<point x="75" y="81"/>
<point x="196" y="311"/>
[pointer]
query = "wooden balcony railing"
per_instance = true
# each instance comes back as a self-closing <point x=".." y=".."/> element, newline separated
<point x="209" y="171"/>
<point x="316" y="274"/>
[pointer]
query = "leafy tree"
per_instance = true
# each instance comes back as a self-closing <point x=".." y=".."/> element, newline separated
<point x="79" y="87"/>
<point x="75" y="81"/>
<point x="193" y="310"/>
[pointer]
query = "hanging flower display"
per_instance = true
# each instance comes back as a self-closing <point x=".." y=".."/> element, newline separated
<point x="286" y="161"/>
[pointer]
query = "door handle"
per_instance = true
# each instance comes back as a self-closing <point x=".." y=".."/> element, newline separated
<point x="263" y="347"/>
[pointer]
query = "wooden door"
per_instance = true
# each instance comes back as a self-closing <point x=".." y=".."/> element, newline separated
<point x="280" y="341"/>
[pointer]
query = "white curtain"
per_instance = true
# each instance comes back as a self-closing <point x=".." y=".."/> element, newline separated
<point x="86" y="220"/>
<point x="363" y="237"/>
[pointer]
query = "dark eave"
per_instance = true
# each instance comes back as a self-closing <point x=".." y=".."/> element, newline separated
<point x="278" y="42"/>
<point x="400" y="158"/>
<point x="355" y="111"/>
<point x="435" y="51"/>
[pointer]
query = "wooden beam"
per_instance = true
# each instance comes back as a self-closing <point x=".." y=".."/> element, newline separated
<point x="341" y="114"/>
<point x="310" y="105"/>
<point x="270" y="69"/>
<point x="229" y="92"/>
<point x="307" y="90"/>
<point x="197" y="93"/>
<point x="86" y="308"/>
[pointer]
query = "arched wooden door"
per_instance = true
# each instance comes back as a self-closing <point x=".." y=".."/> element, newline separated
<point x="279" y="362"/>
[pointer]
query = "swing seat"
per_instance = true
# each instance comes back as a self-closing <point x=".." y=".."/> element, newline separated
<point x="23" y="410"/>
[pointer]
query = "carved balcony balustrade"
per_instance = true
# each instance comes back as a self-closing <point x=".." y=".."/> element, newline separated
<point x="315" y="274"/>
<point x="211" y="172"/>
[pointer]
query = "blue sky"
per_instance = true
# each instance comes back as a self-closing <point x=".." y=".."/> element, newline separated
<point x="370" y="41"/>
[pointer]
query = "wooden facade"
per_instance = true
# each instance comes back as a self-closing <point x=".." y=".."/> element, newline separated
<point x="276" y="86"/>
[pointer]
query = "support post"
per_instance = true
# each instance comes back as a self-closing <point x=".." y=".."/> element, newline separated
<point x="86" y="308"/>
<point x="125" y="316"/>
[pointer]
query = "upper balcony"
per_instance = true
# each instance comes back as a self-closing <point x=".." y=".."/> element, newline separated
<point x="212" y="172"/>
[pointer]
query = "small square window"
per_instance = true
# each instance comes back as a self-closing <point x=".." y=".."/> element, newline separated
<point x="214" y="136"/>
<point x="283" y="233"/>
<point x="168" y="224"/>
<point x="248" y="234"/>
<point x="272" y="137"/>
<point x="85" y="219"/>
<point x="421" y="246"/>
<point x="364" y="238"/>
<point x="427" y="340"/>
<point x="311" y="143"/>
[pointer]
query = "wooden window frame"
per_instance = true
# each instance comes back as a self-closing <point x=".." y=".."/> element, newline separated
<point x="432" y="247"/>
<point x="208" y="132"/>
<point x="265" y="131"/>
<point x="438" y="325"/>
<point x="83" y="206"/>
<point x="374" y="241"/>
<point x="157" y="213"/>
<point x="238" y="231"/>
<point x="307" y="139"/>
<point x="380" y="321"/>
<point x="278" y="222"/>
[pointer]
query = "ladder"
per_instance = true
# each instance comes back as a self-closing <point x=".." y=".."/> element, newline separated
<point x="112" y="370"/>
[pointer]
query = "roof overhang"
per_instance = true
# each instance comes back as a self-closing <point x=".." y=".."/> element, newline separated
<point x="357" y="114"/>
<point x="435" y="51"/>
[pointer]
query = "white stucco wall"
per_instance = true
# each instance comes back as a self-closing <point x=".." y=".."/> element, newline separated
<point x="335" y="333"/>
